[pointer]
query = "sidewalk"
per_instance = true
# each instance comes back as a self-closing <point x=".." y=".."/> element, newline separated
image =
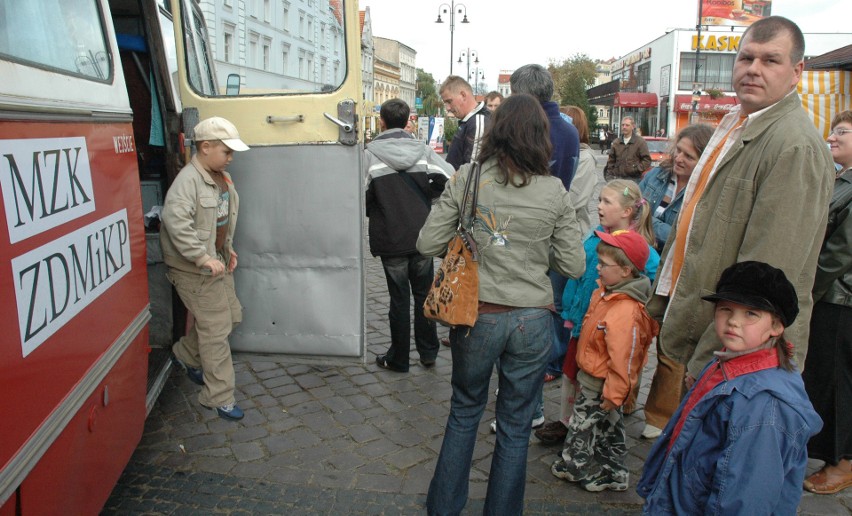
<point x="344" y="439"/>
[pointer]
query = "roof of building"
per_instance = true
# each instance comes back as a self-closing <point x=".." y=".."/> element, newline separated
<point x="504" y="78"/>
<point x="361" y="15"/>
<point x="838" y="59"/>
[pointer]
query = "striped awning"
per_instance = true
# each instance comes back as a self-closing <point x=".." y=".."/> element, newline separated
<point x="824" y="94"/>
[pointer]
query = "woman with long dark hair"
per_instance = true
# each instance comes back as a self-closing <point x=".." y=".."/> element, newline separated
<point x="524" y="225"/>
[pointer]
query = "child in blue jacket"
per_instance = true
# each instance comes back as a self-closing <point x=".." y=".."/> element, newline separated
<point x="738" y="442"/>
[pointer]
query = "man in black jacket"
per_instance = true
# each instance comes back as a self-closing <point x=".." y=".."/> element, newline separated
<point x="403" y="175"/>
<point x="473" y="120"/>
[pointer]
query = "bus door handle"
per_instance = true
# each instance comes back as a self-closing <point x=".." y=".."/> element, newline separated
<point x="282" y="119"/>
<point x="345" y="127"/>
<point x="345" y="121"/>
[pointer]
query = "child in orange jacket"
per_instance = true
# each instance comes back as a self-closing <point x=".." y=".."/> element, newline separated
<point x="611" y="352"/>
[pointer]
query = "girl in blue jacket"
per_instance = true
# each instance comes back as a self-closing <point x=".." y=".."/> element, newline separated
<point x="621" y="207"/>
<point x="738" y="442"/>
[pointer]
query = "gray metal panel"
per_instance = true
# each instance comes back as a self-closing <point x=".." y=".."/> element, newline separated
<point x="300" y="242"/>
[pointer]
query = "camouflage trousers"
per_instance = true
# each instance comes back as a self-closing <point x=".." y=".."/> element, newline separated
<point x="595" y="438"/>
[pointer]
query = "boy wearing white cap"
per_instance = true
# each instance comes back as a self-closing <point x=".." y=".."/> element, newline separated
<point x="196" y="236"/>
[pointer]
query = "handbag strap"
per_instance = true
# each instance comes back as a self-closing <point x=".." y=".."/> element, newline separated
<point x="472" y="184"/>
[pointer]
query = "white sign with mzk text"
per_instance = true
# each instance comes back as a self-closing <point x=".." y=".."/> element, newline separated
<point x="46" y="182"/>
<point x="56" y="281"/>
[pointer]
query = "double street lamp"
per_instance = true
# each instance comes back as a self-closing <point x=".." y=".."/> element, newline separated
<point x="452" y="9"/>
<point x="474" y="78"/>
<point x="468" y="55"/>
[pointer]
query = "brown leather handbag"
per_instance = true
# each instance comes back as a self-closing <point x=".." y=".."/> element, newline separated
<point x="453" y="299"/>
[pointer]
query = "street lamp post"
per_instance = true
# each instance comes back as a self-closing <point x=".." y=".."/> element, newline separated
<point x="452" y="9"/>
<point x="474" y="78"/>
<point x="467" y="56"/>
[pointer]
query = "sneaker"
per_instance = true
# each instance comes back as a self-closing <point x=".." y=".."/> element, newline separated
<point x="563" y="470"/>
<point x="651" y="432"/>
<point x="230" y="412"/>
<point x="195" y="374"/>
<point x="538" y="422"/>
<point x="601" y="482"/>
<point x="552" y="433"/>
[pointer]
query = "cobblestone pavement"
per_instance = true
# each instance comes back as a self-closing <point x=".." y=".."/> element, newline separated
<point x="343" y="438"/>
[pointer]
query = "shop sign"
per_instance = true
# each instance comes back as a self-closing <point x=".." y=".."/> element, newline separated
<point x="717" y="43"/>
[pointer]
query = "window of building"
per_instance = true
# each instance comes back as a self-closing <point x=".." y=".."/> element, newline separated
<point x="310" y="66"/>
<point x="267" y="44"/>
<point x="267" y="11"/>
<point x="285" y="16"/>
<point x="322" y="77"/>
<point x="252" y="57"/>
<point x="322" y="35"/>
<point x="643" y="76"/>
<point x="310" y="28"/>
<point x="228" y="50"/>
<point x="303" y="74"/>
<point x="715" y="71"/>
<point x="301" y="24"/>
<point x="285" y="59"/>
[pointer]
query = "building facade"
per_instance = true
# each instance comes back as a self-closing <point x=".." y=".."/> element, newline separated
<point x="403" y="58"/>
<point x="275" y="45"/>
<point x="655" y="82"/>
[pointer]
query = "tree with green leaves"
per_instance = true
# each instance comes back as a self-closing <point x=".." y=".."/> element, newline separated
<point x="428" y="91"/>
<point x="571" y="78"/>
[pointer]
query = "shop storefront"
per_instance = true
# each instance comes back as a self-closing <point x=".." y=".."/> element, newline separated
<point x="708" y="110"/>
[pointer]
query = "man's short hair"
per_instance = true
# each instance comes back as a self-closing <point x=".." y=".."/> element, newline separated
<point x="534" y="80"/>
<point x="769" y="28"/>
<point x="395" y="113"/>
<point x="493" y="95"/>
<point x="455" y="84"/>
<point x="628" y="118"/>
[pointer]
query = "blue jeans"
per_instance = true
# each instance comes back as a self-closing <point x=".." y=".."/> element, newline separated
<point x="561" y="334"/>
<point x="407" y="275"/>
<point x="521" y="340"/>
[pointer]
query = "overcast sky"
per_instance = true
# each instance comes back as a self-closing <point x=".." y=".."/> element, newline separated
<point x="507" y="35"/>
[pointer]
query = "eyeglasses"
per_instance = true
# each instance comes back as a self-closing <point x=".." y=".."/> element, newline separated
<point x="605" y="265"/>
<point x="839" y="132"/>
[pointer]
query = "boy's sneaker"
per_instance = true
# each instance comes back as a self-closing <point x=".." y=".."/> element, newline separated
<point x="195" y="374"/>
<point x="565" y="471"/>
<point x="230" y="412"/>
<point x="603" y="481"/>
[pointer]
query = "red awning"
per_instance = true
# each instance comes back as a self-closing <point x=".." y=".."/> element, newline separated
<point x="635" y="100"/>
<point x="683" y="104"/>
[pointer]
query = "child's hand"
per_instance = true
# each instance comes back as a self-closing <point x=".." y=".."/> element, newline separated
<point x="216" y="267"/>
<point x="608" y="405"/>
<point x="688" y="381"/>
<point x="232" y="264"/>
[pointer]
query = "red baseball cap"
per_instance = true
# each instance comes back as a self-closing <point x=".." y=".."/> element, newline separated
<point x="631" y="242"/>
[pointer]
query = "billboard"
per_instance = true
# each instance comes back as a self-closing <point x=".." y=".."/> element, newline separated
<point x="733" y="12"/>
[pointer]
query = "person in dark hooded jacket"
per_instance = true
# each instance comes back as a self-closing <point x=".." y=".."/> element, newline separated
<point x="403" y="175"/>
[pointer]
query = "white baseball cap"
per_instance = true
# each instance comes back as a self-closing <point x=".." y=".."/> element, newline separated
<point x="217" y="128"/>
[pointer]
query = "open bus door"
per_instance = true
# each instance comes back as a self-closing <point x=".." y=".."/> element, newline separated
<point x="300" y="233"/>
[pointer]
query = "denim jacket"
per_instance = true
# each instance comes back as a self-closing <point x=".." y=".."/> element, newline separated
<point x="742" y="449"/>
<point x="520" y="233"/>
<point x="654" y="186"/>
